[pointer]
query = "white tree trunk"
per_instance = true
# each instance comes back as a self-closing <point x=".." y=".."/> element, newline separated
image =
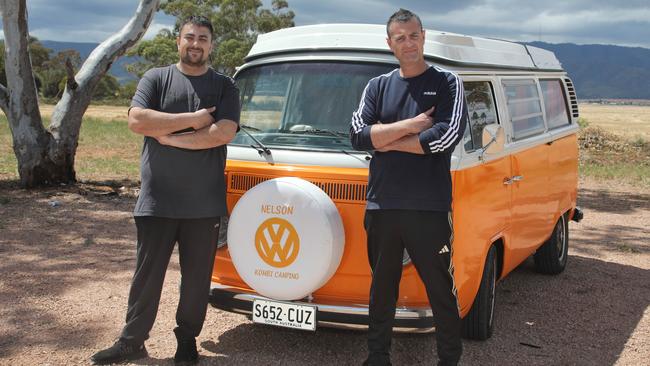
<point x="47" y="157"/>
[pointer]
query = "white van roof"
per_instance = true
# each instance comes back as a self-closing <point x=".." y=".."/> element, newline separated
<point x="440" y="46"/>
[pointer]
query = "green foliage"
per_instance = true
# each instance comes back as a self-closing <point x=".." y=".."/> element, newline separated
<point x="230" y="54"/>
<point x="38" y="54"/>
<point x="128" y="89"/>
<point x="582" y="122"/>
<point x="51" y="81"/>
<point x="159" y="51"/>
<point x="236" y="26"/>
<point x="52" y="74"/>
<point x="108" y="87"/>
<point x="641" y="143"/>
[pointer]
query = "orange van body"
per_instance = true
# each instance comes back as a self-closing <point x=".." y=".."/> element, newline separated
<point x="515" y="172"/>
<point x="482" y="215"/>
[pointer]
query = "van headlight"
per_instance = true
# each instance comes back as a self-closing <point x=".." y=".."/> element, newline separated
<point x="223" y="232"/>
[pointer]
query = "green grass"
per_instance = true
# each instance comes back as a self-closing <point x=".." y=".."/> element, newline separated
<point x="632" y="173"/>
<point x="107" y="150"/>
<point x="8" y="165"/>
<point x="609" y="156"/>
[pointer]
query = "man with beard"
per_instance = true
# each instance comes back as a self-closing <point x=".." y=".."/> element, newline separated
<point x="187" y="113"/>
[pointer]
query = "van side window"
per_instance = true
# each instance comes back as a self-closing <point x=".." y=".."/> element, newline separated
<point x="554" y="103"/>
<point x="482" y="112"/>
<point x="524" y="107"/>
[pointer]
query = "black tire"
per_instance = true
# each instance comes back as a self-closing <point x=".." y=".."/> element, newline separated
<point x="478" y="323"/>
<point x="551" y="257"/>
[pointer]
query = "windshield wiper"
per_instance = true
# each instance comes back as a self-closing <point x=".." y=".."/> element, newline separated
<point x="367" y="157"/>
<point x="318" y="131"/>
<point x="251" y="128"/>
<point x="261" y="148"/>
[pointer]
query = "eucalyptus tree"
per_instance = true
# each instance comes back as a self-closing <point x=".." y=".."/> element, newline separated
<point x="46" y="155"/>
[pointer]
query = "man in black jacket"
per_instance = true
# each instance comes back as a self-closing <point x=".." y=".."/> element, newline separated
<point x="412" y="118"/>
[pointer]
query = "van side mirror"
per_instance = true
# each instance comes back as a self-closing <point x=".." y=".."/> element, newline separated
<point x="493" y="139"/>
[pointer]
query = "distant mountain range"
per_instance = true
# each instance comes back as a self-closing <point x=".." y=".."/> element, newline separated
<point x="603" y="71"/>
<point x="598" y="71"/>
<point x="118" y="69"/>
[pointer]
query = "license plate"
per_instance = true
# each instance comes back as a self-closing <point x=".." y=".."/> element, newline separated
<point x="284" y="314"/>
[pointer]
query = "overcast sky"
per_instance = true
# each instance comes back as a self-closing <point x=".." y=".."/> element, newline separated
<point x="625" y="23"/>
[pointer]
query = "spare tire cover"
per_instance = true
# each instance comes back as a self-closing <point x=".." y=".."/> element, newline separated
<point x="285" y="238"/>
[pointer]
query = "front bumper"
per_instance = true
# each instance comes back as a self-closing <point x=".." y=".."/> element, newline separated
<point x="349" y="316"/>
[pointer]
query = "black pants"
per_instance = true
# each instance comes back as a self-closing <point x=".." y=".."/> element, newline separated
<point x="427" y="237"/>
<point x="197" y="239"/>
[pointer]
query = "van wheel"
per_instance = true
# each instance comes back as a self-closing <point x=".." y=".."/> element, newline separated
<point x="551" y="257"/>
<point x="478" y="323"/>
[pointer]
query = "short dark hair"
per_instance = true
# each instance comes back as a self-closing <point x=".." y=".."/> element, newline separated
<point x="402" y="16"/>
<point x="199" y="20"/>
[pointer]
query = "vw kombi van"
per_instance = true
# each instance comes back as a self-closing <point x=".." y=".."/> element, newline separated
<point x="293" y="252"/>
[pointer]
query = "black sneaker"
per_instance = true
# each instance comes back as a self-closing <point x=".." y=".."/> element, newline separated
<point x="119" y="352"/>
<point x="186" y="353"/>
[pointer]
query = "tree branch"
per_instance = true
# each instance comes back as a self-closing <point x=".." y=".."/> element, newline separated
<point x="69" y="68"/>
<point x="21" y="86"/>
<point x="66" y="116"/>
<point x="108" y="51"/>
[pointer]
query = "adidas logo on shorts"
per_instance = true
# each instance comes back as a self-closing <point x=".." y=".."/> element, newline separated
<point x="444" y="249"/>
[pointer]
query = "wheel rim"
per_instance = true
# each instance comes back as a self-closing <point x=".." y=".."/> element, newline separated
<point x="560" y="238"/>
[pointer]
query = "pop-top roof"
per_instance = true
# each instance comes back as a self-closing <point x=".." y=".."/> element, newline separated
<point x="445" y="47"/>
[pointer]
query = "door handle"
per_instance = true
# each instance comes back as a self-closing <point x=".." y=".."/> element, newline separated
<point x="513" y="179"/>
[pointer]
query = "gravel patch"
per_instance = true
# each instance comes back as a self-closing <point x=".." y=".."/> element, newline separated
<point x="67" y="258"/>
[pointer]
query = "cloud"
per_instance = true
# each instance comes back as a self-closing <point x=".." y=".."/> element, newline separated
<point x="84" y="21"/>
<point x="616" y="26"/>
<point x="577" y="21"/>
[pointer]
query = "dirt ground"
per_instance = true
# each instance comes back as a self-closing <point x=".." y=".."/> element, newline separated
<point x="67" y="256"/>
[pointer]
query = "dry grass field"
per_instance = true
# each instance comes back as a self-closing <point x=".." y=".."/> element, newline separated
<point x="626" y="120"/>
<point x="109" y="151"/>
<point x="107" y="112"/>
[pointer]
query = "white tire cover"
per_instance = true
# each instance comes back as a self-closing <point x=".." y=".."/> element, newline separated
<point x="285" y="238"/>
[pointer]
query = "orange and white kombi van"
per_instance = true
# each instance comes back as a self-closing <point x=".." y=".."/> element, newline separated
<point x="295" y="250"/>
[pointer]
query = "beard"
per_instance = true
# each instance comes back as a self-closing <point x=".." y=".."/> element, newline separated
<point x="188" y="60"/>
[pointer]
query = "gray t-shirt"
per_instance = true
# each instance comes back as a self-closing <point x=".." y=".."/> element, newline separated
<point x="182" y="183"/>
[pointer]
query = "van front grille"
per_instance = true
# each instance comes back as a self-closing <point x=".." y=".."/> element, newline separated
<point x="242" y="183"/>
<point x="342" y="192"/>
<point x="572" y="97"/>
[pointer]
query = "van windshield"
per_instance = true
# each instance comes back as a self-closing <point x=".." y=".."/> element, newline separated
<point x="302" y="105"/>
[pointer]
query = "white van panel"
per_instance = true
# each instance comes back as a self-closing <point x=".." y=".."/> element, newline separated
<point x="339" y="159"/>
<point x="450" y="47"/>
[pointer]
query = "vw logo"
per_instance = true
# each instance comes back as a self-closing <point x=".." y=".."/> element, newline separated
<point x="277" y="242"/>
